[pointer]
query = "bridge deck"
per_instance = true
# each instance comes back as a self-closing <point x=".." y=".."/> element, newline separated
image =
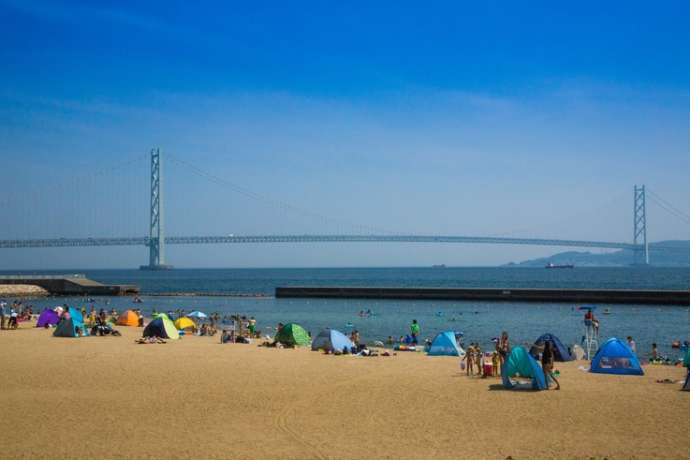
<point x="260" y="239"/>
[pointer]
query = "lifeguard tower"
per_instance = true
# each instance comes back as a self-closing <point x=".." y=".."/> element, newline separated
<point x="591" y="337"/>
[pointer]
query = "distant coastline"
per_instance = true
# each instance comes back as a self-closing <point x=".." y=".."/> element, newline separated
<point x="679" y="257"/>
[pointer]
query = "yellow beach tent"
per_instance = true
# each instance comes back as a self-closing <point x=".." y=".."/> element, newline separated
<point x="184" y="323"/>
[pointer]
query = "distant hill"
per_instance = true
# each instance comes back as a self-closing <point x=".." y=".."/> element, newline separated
<point x="679" y="256"/>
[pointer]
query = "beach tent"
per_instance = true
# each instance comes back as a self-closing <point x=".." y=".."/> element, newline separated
<point x="293" y="335"/>
<point x="560" y="352"/>
<point x="577" y="351"/>
<point x="520" y="363"/>
<point x="161" y="327"/>
<point x="445" y="344"/>
<point x="616" y="357"/>
<point x="48" y="318"/>
<point x="128" y="318"/>
<point x="184" y="323"/>
<point x="331" y="340"/>
<point x="71" y="323"/>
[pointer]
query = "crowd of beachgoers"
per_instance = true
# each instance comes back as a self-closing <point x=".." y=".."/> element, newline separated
<point x="474" y="361"/>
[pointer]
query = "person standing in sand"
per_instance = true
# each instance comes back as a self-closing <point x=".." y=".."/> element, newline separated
<point x="469" y="357"/>
<point x="2" y="314"/>
<point x="547" y="359"/>
<point x="503" y="347"/>
<point x="478" y="354"/>
<point x="414" y="331"/>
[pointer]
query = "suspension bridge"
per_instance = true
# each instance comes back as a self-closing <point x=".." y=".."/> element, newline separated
<point x="157" y="240"/>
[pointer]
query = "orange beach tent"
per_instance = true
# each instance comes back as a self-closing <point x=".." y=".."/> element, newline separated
<point x="128" y="318"/>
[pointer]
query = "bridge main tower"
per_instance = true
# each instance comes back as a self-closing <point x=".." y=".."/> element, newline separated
<point x="641" y="251"/>
<point x="156" y="241"/>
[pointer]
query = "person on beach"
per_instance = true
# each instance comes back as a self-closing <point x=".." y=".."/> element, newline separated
<point x="478" y="355"/>
<point x="655" y="352"/>
<point x="414" y="331"/>
<point x="589" y="316"/>
<point x="252" y="326"/>
<point x="547" y="360"/>
<point x="469" y="358"/>
<point x="2" y="314"/>
<point x="495" y="364"/>
<point x="631" y="344"/>
<point x="13" y="319"/>
<point x="503" y="347"/>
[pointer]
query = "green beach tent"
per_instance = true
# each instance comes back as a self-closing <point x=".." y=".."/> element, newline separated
<point x="520" y="363"/>
<point x="293" y="335"/>
<point x="162" y="327"/>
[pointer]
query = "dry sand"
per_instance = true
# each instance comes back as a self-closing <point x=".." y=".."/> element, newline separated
<point x="110" y="398"/>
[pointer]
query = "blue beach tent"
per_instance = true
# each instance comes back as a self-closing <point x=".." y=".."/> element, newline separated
<point x="331" y="340"/>
<point x="445" y="344"/>
<point x="616" y="357"/>
<point x="520" y="363"/>
<point x="561" y="352"/>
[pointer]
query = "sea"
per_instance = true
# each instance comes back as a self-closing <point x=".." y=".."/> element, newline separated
<point x="250" y="292"/>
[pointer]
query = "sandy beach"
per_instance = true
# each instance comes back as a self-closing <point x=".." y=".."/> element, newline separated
<point x="111" y="398"/>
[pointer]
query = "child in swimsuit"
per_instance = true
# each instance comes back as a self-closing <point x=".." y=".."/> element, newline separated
<point x="495" y="363"/>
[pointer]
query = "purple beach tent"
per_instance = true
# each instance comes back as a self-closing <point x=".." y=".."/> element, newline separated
<point x="48" y="318"/>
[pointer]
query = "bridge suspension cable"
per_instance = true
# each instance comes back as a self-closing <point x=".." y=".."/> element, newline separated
<point x="668" y="207"/>
<point x="278" y="204"/>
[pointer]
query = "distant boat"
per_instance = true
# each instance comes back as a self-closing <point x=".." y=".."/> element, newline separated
<point x="439" y="266"/>
<point x="550" y="265"/>
<point x="607" y="311"/>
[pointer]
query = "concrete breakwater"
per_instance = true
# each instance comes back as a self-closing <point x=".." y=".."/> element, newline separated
<point x="68" y="285"/>
<point x="627" y="296"/>
<point x="22" y="290"/>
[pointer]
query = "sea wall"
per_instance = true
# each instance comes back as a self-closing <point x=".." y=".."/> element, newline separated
<point x="664" y="297"/>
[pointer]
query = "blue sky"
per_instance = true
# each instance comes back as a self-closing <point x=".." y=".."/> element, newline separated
<point x="528" y="120"/>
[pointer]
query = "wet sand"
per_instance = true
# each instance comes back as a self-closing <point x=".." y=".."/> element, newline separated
<point x="110" y="398"/>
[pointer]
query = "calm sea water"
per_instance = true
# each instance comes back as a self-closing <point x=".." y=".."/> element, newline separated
<point x="479" y="321"/>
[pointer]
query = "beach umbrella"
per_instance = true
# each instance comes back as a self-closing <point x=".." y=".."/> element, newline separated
<point x="197" y="314"/>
